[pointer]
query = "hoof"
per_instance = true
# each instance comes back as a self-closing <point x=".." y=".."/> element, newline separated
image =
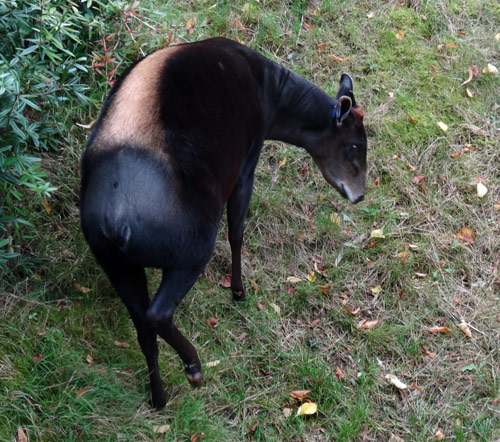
<point x="238" y="295"/>
<point x="159" y="400"/>
<point x="193" y="375"/>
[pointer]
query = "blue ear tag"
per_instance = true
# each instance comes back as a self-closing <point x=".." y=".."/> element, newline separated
<point x="334" y="110"/>
<point x="338" y="113"/>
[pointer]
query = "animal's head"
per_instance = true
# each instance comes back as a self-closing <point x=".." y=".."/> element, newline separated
<point x="341" y="154"/>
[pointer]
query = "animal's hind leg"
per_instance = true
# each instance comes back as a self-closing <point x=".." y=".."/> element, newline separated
<point x="130" y="282"/>
<point x="174" y="286"/>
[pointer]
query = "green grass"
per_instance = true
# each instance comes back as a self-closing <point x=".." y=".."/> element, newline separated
<point x="264" y="354"/>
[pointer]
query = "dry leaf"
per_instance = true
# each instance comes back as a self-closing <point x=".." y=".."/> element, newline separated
<point x="415" y="387"/>
<point x="190" y="24"/>
<point x="254" y="285"/>
<point x="321" y="47"/>
<point x="370" y="14"/>
<point x="439" y="330"/>
<point x="376" y="290"/>
<point x="339" y="373"/>
<point x="212" y="322"/>
<point x="82" y="289"/>
<point x="378" y="233"/>
<point x="439" y="435"/>
<point x="340" y="60"/>
<point x="434" y="72"/>
<point x="393" y="379"/>
<point x="260" y="306"/>
<point x="282" y="162"/>
<point x="21" y="435"/>
<point x="466" y="234"/>
<point x="82" y="391"/>
<point x="418" y="179"/>
<point x="324" y="288"/>
<point x="161" y="429"/>
<point x="239" y="24"/>
<point x="311" y="277"/>
<point x="37" y="358"/>
<point x="490" y="70"/>
<point x="352" y="312"/>
<point x="367" y="325"/>
<point x="497" y="37"/>
<point x="121" y="344"/>
<point x="395" y="438"/>
<point x="47" y="207"/>
<point x="293" y="279"/>
<point x="287" y="412"/>
<point x="254" y="427"/>
<point x="276" y="308"/>
<point x="225" y="281"/>
<point x="442" y="126"/>
<point x="413" y="120"/>
<point x="468" y="92"/>
<point x="428" y="353"/>
<point x="87" y="126"/>
<point x="90" y="360"/>
<point x="400" y="35"/>
<point x="496" y="207"/>
<point x="410" y="167"/>
<point x="335" y="218"/>
<point x="212" y="364"/>
<point x="465" y="328"/>
<point x="307" y="409"/>
<point x="300" y="394"/>
<point x="482" y="190"/>
<point x="196" y="436"/>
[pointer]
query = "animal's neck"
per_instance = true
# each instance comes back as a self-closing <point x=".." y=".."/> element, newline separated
<point x="299" y="108"/>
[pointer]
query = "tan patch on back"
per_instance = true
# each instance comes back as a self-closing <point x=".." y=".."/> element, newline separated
<point x="133" y="116"/>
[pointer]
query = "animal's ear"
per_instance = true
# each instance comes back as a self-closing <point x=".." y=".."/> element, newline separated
<point x="346" y="88"/>
<point x="341" y="109"/>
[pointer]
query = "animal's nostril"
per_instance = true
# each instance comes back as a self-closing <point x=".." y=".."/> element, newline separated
<point x="361" y="198"/>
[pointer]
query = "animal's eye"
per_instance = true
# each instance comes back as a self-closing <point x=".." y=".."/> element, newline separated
<point x="354" y="146"/>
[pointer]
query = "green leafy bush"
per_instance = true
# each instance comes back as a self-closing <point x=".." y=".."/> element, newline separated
<point x="43" y="76"/>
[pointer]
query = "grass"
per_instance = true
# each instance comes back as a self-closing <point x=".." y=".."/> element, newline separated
<point x="265" y="352"/>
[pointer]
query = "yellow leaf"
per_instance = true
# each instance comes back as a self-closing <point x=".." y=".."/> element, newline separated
<point x="377" y="233"/>
<point x="82" y="391"/>
<point x="400" y="35"/>
<point x="307" y="408"/>
<point x="468" y="92"/>
<point x="376" y="290"/>
<point x="276" y="308"/>
<point x="311" y="277"/>
<point x="282" y="162"/>
<point x="47" y="207"/>
<point x="161" y="429"/>
<point x="482" y="190"/>
<point x="37" y="277"/>
<point x="335" y="218"/>
<point x="254" y="285"/>
<point x="393" y="379"/>
<point x="293" y="279"/>
<point x="443" y="126"/>
<point x="490" y="70"/>
<point x="212" y="364"/>
<point x="465" y="328"/>
<point x="367" y="325"/>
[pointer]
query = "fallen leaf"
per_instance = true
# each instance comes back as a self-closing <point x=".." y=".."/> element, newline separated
<point x="282" y="162"/>
<point x="496" y="207"/>
<point x="212" y="364"/>
<point x="490" y="70"/>
<point x="212" y="322"/>
<point x="254" y="427"/>
<point x="377" y="233"/>
<point x="307" y="26"/>
<point x="376" y="289"/>
<point x="190" y="24"/>
<point x="239" y="24"/>
<point x="468" y="92"/>
<point x="287" y="412"/>
<point x="254" y="285"/>
<point x="196" y="436"/>
<point x="418" y="179"/>
<point x="37" y="277"/>
<point x="439" y="435"/>
<point x="276" y="308"/>
<point x="21" y="435"/>
<point x="307" y="409"/>
<point x="367" y="325"/>
<point x="47" y="207"/>
<point x="465" y="328"/>
<point x="87" y="126"/>
<point x="311" y="277"/>
<point x="340" y="60"/>
<point x="434" y="72"/>
<point x="456" y="155"/>
<point x="466" y="234"/>
<point x="335" y="218"/>
<point x="82" y="391"/>
<point x="121" y="344"/>
<point x="497" y="37"/>
<point x="352" y="312"/>
<point x="293" y="279"/>
<point x="321" y="47"/>
<point x="37" y="358"/>
<point x="90" y="360"/>
<point x="325" y="288"/>
<point x="395" y="438"/>
<point x="442" y="126"/>
<point x="260" y="306"/>
<point x="290" y="291"/>
<point x="393" y="379"/>
<point x="225" y="281"/>
<point x="428" y="353"/>
<point x="300" y="394"/>
<point x="482" y="190"/>
<point x="494" y="401"/>
<point x="415" y="387"/>
<point x="339" y="373"/>
<point x="400" y="35"/>
<point x="439" y="330"/>
<point x="413" y="120"/>
<point x="370" y="14"/>
<point x="82" y="289"/>
<point x="161" y="429"/>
